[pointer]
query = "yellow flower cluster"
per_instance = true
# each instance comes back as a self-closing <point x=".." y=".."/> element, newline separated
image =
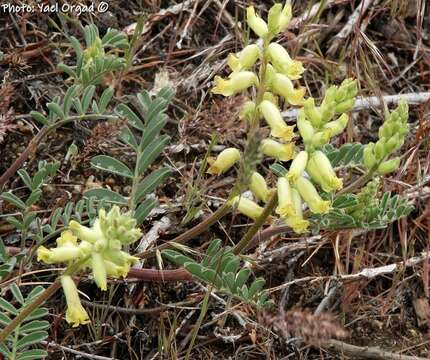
<point x="316" y="124"/>
<point x="99" y="249"/>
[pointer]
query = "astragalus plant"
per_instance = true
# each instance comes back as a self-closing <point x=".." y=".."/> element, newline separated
<point x="310" y="193"/>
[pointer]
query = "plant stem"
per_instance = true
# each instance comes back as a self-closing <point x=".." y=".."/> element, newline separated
<point x="27" y="310"/>
<point x="247" y="238"/>
<point x="199" y="321"/>
<point x="191" y="233"/>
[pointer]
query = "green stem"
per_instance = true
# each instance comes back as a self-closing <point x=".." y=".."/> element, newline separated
<point x="199" y="321"/>
<point x="28" y="309"/>
<point x="247" y="238"/>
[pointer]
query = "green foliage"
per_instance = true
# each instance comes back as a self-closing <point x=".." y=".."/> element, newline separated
<point x="144" y="138"/>
<point x="19" y="345"/>
<point x="362" y="211"/>
<point x="94" y="61"/>
<point x="348" y="155"/>
<point x="221" y="268"/>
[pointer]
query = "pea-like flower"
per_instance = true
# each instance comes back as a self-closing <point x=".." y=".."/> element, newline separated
<point x="247" y="207"/>
<point x="99" y="249"/>
<point x="305" y="127"/>
<point x="236" y="82"/>
<point x="273" y="117"/>
<point x="321" y="171"/>
<point x="285" y="201"/>
<point x="258" y="186"/>
<point x="336" y="127"/>
<point x="225" y="160"/>
<point x="256" y="23"/>
<point x="283" y="63"/>
<point x="245" y="59"/>
<point x="296" y="221"/>
<point x="75" y="314"/>
<point x="310" y="195"/>
<point x="298" y="166"/>
<point x="279" y="151"/>
<point x="388" y="166"/>
<point x="283" y="86"/>
<point x="67" y="250"/>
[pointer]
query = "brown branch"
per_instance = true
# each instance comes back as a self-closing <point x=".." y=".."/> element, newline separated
<point x="367" y="352"/>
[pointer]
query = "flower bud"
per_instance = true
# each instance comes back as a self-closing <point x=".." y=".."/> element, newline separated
<point x="344" y="106"/>
<point x="285" y="202"/>
<point x="281" y="152"/>
<point x="321" y="138"/>
<point x="84" y="233"/>
<point x="310" y="195"/>
<point x="247" y="207"/>
<point x="283" y="86"/>
<point x="380" y="149"/>
<point x="369" y="159"/>
<point x="225" y="160"/>
<point x="285" y="17"/>
<point x="236" y="82"/>
<point x="273" y="19"/>
<point x="256" y="23"/>
<point x="338" y="126"/>
<point x="247" y="111"/>
<point x="258" y="186"/>
<point x="75" y="314"/>
<point x="283" y="63"/>
<point x="99" y="270"/>
<point x="312" y="113"/>
<point x="392" y="144"/>
<point x="388" y="166"/>
<point x="319" y="167"/>
<point x="298" y="166"/>
<point x="245" y="59"/>
<point x="296" y="221"/>
<point x="305" y="127"/>
<point x="273" y="117"/>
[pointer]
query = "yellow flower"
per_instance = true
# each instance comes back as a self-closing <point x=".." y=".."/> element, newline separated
<point x="259" y="187"/>
<point x="116" y="271"/>
<point x="75" y="313"/>
<point x="298" y="166"/>
<point x="296" y="221"/>
<point x="245" y="59"/>
<point x="225" y="160"/>
<point x="85" y="233"/>
<point x="58" y="254"/>
<point x="310" y="195"/>
<point x="285" y="202"/>
<point x="256" y="23"/>
<point x="321" y="171"/>
<point x="247" y="111"/>
<point x="305" y="127"/>
<point x="338" y="126"/>
<point x="247" y="207"/>
<point x="283" y="63"/>
<point x="273" y="117"/>
<point x="281" y="152"/>
<point x="99" y="270"/>
<point x="285" y="17"/>
<point x="283" y="86"/>
<point x="236" y="82"/>
<point x="312" y="112"/>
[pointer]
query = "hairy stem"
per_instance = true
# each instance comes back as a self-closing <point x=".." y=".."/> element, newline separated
<point x="247" y="238"/>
